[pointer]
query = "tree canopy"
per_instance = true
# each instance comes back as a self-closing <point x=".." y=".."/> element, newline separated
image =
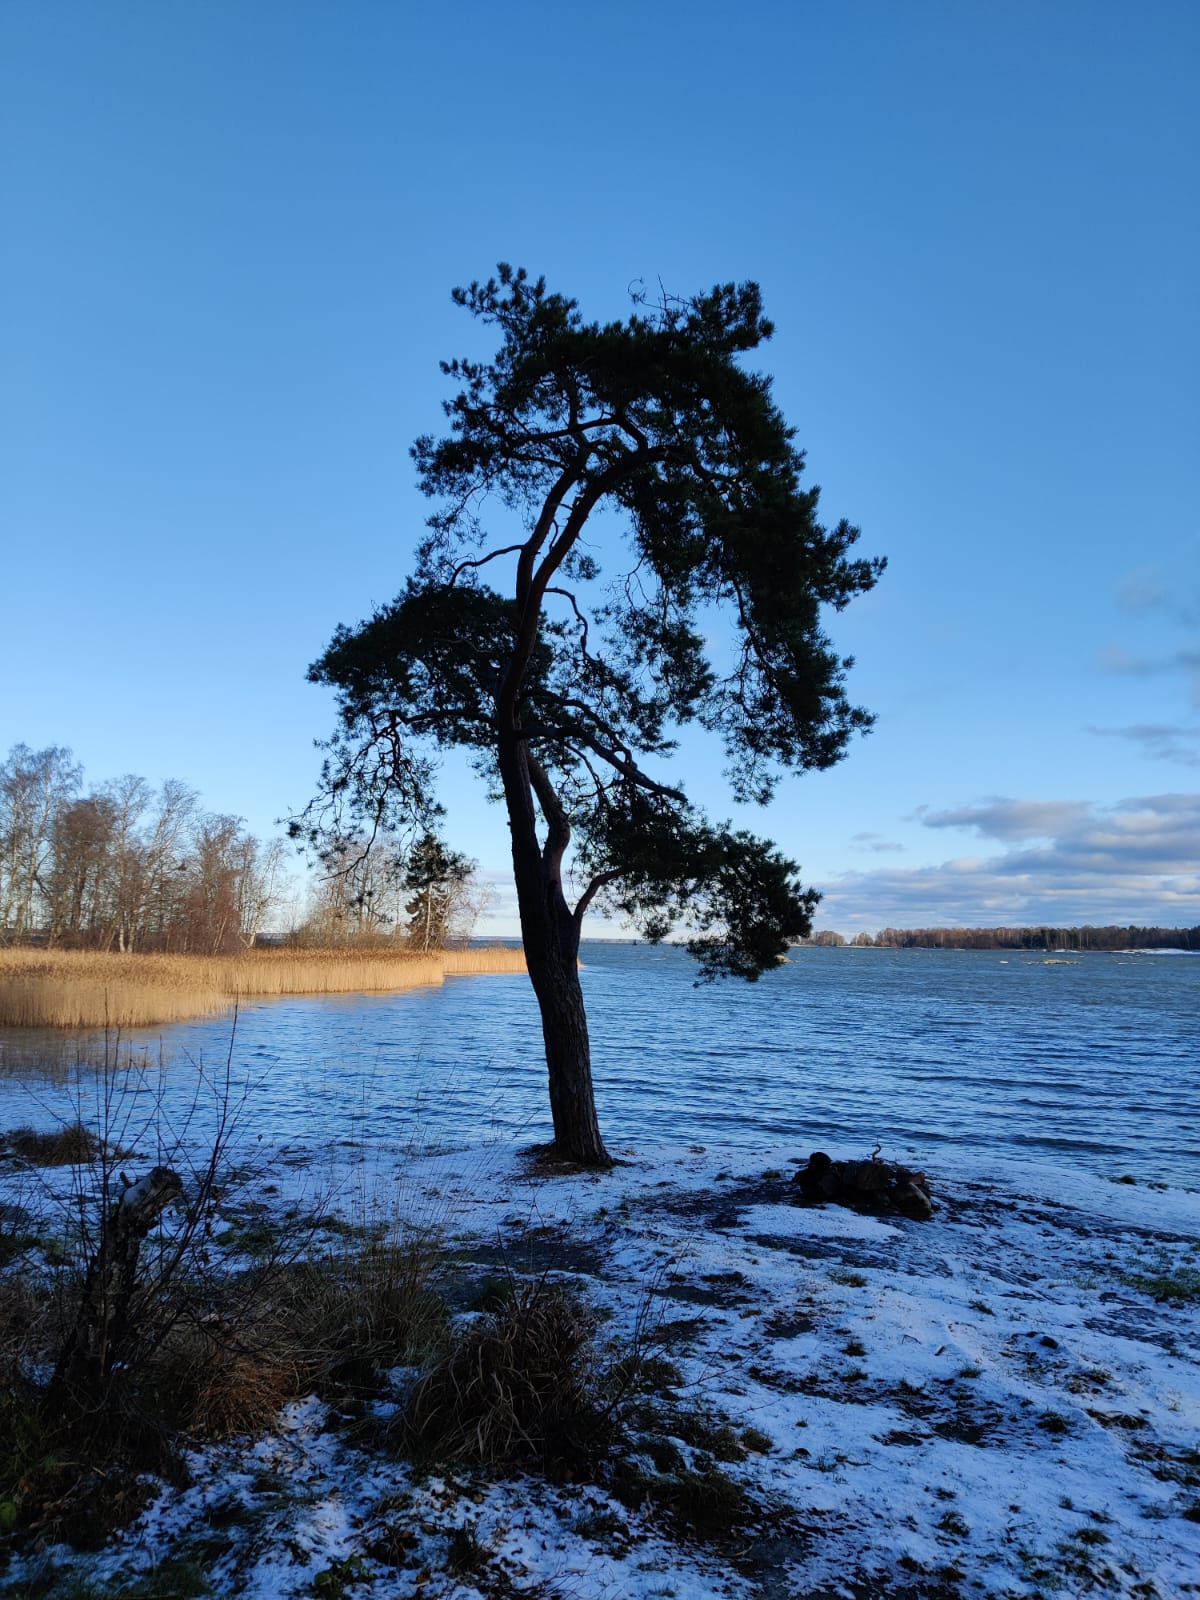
<point x="621" y="545"/>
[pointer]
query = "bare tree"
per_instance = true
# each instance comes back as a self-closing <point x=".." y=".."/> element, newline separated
<point x="34" y="784"/>
<point x="129" y="798"/>
<point x="360" y="892"/>
<point x="81" y="849"/>
<point x="125" y="867"/>
<point x="258" y="883"/>
<point x="165" y="850"/>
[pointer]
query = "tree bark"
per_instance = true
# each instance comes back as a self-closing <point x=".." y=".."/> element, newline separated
<point x="554" y="972"/>
<point x="550" y="934"/>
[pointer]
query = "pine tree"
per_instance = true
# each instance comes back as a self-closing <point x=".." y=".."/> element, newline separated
<point x="566" y="689"/>
<point x="434" y="878"/>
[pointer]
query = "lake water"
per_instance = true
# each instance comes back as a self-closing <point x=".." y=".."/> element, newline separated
<point x="1089" y="1061"/>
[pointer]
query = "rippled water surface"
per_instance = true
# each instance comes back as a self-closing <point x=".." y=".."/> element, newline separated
<point x="1091" y="1061"/>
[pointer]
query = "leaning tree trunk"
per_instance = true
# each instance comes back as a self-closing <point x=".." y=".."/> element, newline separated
<point x="550" y="934"/>
<point x="554" y="972"/>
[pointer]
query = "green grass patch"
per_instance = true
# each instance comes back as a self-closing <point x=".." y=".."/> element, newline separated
<point x="1178" y="1286"/>
<point x="704" y="1500"/>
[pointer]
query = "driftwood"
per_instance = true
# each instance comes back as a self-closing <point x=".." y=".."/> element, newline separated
<point x="880" y="1184"/>
<point x="106" y="1306"/>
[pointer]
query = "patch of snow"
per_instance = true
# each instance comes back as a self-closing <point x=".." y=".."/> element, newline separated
<point x="992" y="1401"/>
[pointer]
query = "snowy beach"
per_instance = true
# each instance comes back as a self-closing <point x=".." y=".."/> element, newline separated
<point x="1004" y="1400"/>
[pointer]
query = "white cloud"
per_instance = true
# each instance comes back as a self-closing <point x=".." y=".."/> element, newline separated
<point x="1136" y="862"/>
<point x="1062" y="862"/>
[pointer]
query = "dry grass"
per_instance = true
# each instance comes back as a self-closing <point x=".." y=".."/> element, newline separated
<point x="71" y="1145"/>
<point x="217" y="1381"/>
<point x="89" y="989"/>
<point x="517" y="1386"/>
<point x="78" y="989"/>
<point x="487" y="958"/>
<point x="377" y="1306"/>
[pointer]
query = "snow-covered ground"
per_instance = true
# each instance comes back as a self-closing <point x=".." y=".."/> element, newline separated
<point x="1003" y="1401"/>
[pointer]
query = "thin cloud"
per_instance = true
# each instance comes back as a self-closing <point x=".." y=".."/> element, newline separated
<point x="1119" y="660"/>
<point x="1115" y="658"/>
<point x="1161" y="741"/>
<point x="1003" y="819"/>
<point x="1153" y="588"/>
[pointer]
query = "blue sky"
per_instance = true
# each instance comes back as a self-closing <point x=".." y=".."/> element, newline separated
<point x="231" y="231"/>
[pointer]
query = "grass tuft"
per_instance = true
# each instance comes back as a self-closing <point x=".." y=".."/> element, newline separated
<point x="1054" y="1422"/>
<point x="850" y="1280"/>
<point x="514" y="1388"/>
<point x="466" y="1555"/>
<point x="374" y="1308"/>
<point x="71" y="1145"/>
<point x="216" y="1381"/>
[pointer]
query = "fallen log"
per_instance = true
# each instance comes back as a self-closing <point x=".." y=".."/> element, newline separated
<point x="876" y="1184"/>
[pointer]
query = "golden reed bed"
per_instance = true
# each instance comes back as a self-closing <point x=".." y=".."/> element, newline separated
<point x="85" y="989"/>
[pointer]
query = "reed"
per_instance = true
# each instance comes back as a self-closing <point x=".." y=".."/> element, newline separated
<point x="85" y="989"/>
<point x="490" y="958"/>
<point x="92" y="989"/>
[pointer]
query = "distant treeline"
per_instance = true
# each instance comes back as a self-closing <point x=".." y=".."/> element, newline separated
<point x="123" y="866"/>
<point x="128" y="868"/>
<point x="1116" y="937"/>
